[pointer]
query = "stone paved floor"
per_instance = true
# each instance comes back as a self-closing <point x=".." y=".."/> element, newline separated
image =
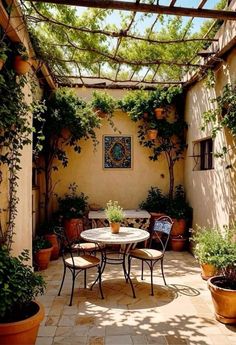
<point x="180" y="313"/>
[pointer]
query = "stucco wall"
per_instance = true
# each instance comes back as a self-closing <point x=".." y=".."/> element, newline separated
<point x="211" y="193"/>
<point x="128" y="186"/>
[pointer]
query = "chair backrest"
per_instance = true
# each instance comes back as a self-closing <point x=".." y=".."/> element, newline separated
<point x="161" y="231"/>
<point x="66" y="245"/>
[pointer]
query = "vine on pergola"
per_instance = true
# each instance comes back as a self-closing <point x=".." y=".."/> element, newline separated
<point x="80" y="48"/>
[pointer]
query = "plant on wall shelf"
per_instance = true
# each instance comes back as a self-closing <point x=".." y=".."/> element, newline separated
<point x="103" y="103"/>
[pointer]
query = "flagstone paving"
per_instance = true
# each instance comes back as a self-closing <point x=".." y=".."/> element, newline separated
<point x="180" y="313"/>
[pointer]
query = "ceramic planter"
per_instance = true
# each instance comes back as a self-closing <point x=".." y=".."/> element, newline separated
<point x="21" y="66"/>
<point x="22" y="332"/>
<point x="152" y="134"/>
<point x="224" y="300"/>
<point x="52" y="238"/>
<point x="159" y="113"/>
<point x="179" y="227"/>
<point x="178" y="244"/>
<point x="115" y="228"/>
<point x="73" y="228"/>
<point x="42" y="258"/>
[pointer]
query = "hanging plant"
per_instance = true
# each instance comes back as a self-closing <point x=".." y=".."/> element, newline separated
<point x="22" y="63"/>
<point x="3" y="54"/>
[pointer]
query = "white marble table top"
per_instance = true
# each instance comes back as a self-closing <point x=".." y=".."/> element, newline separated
<point x="128" y="214"/>
<point x="125" y="236"/>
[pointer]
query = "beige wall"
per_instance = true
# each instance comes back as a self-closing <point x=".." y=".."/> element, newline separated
<point x="128" y="186"/>
<point x="211" y="193"/>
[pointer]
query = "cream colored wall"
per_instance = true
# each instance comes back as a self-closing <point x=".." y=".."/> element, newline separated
<point x="128" y="186"/>
<point x="211" y="193"/>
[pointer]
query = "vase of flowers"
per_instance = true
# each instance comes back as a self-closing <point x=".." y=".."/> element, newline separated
<point x="115" y="215"/>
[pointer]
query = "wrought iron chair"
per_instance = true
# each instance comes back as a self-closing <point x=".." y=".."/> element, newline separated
<point x="161" y="231"/>
<point x="76" y="263"/>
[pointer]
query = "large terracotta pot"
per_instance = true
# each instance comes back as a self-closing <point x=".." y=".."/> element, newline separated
<point x="208" y="271"/>
<point x="21" y="66"/>
<point x="73" y="228"/>
<point x="224" y="301"/>
<point x="159" y="113"/>
<point x="178" y="227"/>
<point x="42" y="258"/>
<point x="115" y="228"/>
<point x="52" y="238"/>
<point x="22" y="332"/>
<point x="152" y="134"/>
<point x="178" y="244"/>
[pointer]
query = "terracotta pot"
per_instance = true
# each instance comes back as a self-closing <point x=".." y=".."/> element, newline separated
<point x="152" y="134"/>
<point x="42" y="258"/>
<point x="178" y="244"/>
<point x="22" y="332"/>
<point x="100" y="113"/>
<point x="1" y="64"/>
<point x="52" y="238"/>
<point x="224" y="301"/>
<point x="145" y="115"/>
<point x="21" y="66"/>
<point x="159" y="113"/>
<point x="73" y="228"/>
<point x="115" y="228"/>
<point x="178" y="227"/>
<point x="208" y="271"/>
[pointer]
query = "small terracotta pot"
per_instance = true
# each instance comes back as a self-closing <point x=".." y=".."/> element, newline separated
<point x="22" y="332"/>
<point x="178" y="244"/>
<point x="178" y="227"/>
<point x="145" y="115"/>
<point x="115" y="228"/>
<point x="52" y="238"/>
<point x="159" y="113"/>
<point x="42" y="258"/>
<point x="208" y="271"/>
<point x="100" y="113"/>
<point x="21" y="66"/>
<point x="152" y="134"/>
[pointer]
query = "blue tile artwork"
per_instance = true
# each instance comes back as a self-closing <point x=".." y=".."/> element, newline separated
<point x="117" y="151"/>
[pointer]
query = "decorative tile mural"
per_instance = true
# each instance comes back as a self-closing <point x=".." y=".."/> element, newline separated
<point x="117" y="151"/>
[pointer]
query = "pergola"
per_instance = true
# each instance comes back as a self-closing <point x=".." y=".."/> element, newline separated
<point x="125" y="72"/>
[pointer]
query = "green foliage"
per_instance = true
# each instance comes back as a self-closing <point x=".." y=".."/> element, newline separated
<point x="104" y="102"/>
<point x="114" y="212"/>
<point x="73" y="205"/>
<point x="40" y="243"/>
<point x="3" y="51"/>
<point x="20" y="49"/>
<point x="19" y="285"/>
<point x="217" y="248"/>
<point x="155" y="202"/>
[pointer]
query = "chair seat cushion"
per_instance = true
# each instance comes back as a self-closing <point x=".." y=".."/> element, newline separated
<point x="146" y="254"/>
<point x="83" y="261"/>
<point x="85" y="246"/>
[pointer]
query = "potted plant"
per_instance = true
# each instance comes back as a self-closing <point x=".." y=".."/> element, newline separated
<point x="47" y="230"/>
<point x="42" y="249"/>
<point x="223" y="286"/>
<point x="152" y="131"/>
<point x="207" y="246"/>
<point x="115" y="215"/>
<point x="178" y="243"/>
<point x="21" y="62"/>
<point x="72" y="207"/>
<point x="3" y="55"/>
<point x="103" y="104"/>
<point x="20" y="314"/>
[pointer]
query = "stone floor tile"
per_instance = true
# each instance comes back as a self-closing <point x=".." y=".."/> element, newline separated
<point x="52" y="320"/>
<point x="176" y="340"/>
<point x="96" y="341"/>
<point x="118" y="340"/>
<point x="47" y="331"/>
<point x="70" y="341"/>
<point x="139" y="339"/>
<point x="156" y="339"/>
<point x="44" y="341"/>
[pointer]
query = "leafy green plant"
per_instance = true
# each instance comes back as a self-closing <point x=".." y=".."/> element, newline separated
<point x="3" y="51"/>
<point x="20" y="49"/>
<point x="40" y="243"/>
<point x="104" y="102"/>
<point x="73" y="205"/>
<point x="178" y="208"/>
<point x="19" y="285"/>
<point x="217" y="248"/>
<point x="114" y="212"/>
<point x="155" y="202"/>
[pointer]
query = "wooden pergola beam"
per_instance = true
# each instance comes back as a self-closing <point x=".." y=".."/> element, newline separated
<point x="147" y="8"/>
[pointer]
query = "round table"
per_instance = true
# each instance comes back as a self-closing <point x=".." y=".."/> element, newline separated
<point x="127" y="238"/>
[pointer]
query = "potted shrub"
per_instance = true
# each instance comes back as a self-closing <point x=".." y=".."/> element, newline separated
<point x="20" y="314"/>
<point x="207" y="246"/>
<point x="3" y="55"/>
<point x="47" y="230"/>
<point x="178" y="243"/>
<point x="72" y="207"/>
<point x="223" y="286"/>
<point x="42" y="249"/>
<point x="21" y="61"/>
<point x="115" y="215"/>
<point x="152" y="131"/>
<point x="103" y="104"/>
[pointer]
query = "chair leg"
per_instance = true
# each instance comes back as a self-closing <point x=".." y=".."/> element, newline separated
<point x="142" y="270"/>
<point x="62" y="282"/>
<point x="162" y="271"/>
<point x="151" y="269"/>
<point x="72" y="288"/>
<point x="85" y="279"/>
<point x="100" y="281"/>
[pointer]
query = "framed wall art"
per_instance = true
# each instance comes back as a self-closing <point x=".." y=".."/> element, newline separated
<point x="117" y="152"/>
